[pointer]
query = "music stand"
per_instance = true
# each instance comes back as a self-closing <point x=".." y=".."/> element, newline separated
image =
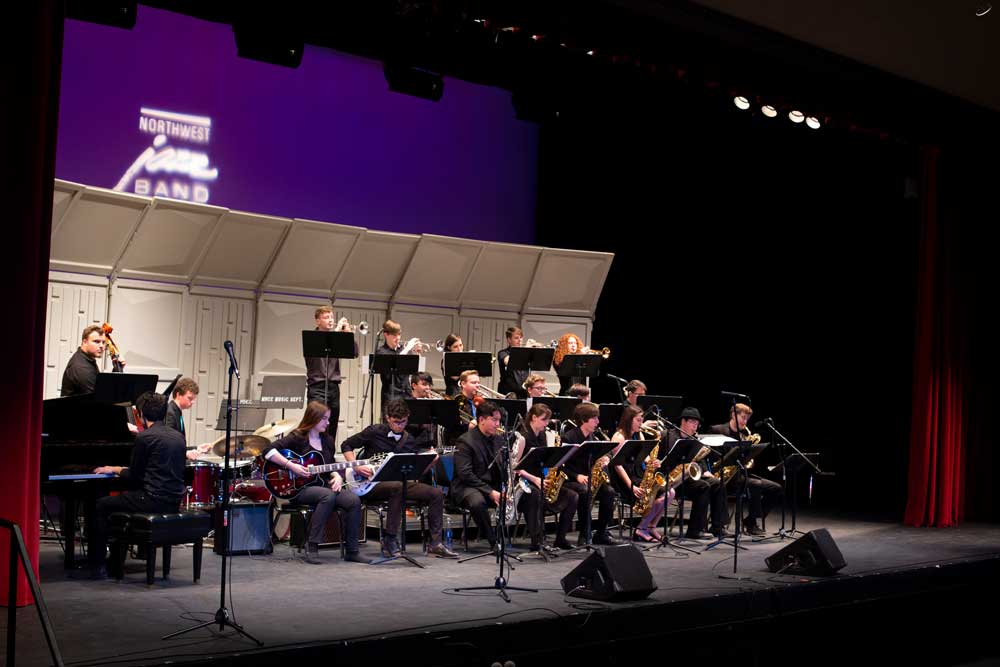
<point x="245" y="418"/>
<point x="456" y="363"/>
<point x="123" y="387"/>
<point x="580" y="365"/>
<point x="680" y="453"/>
<point x="791" y="463"/>
<point x="591" y="450"/>
<point x="562" y="406"/>
<point x="530" y="359"/>
<point x="535" y="462"/>
<point x="388" y="364"/>
<point x="403" y="468"/>
<point x="328" y="345"/>
<point x="610" y="415"/>
<point x="284" y="392"/>
<point x="734" y="455"/>
<point x="430" y="411"/>
<point x="670" y="406"/>
<point x="510" y="408"/>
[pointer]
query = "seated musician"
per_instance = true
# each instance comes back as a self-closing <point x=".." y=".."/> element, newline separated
<point x="453" y="343"/>
<point x="155" y="473"/>
<point x="392" y="437"/>
<point x="588" y="417"/>
<point x="80" y="376"/>
<point x="473" y="486"/>
<point x="568" y="344"/>
<point x="704" y="493"/>
<point x="309" y="436"/>
<point x="633" y="390"/>
<point x="627" y="480"/>
<point x="535" y="386"/>
<point x="468" y="386"/>
<point x="511" y="381"/>
<point x="580" y="391"/>
<point x="764" y="494"/>
<point x="425" y="435"/>
<point x="566" y="502"/>
<point x="183" y="397"/>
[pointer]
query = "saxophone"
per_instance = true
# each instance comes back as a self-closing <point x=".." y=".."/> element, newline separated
<point x="598" y="474"/>
<point x="517" y="486"/>
<point x="555" y="477"/>
<point x="691" y="471"/>
<point x="652" y="482"/>
<point x="728" y="472"/>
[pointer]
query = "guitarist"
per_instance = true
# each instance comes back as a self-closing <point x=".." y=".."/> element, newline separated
<point x="392" y="437"/>
<point x="310" y="435"/>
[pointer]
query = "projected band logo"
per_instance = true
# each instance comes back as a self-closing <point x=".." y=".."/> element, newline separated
<point x="172" y="166"/>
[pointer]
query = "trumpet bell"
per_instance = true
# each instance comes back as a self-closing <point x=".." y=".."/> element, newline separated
<point x="362" y="328"/>
<point x="439" y="345"/>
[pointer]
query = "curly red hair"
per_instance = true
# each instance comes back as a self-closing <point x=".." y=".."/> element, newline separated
<point x="562" y="349"/>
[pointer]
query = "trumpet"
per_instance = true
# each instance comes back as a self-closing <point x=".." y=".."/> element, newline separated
<point x="345" y="325"/>
<point x="604" y="352"/>
<point x="413" y="345"/>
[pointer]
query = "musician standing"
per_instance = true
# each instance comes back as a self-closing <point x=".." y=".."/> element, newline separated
<point x="311" y="436"/>
<point x="534" y="434"/>
<point x="705" y="493"/>
<point x="476" y="468"/>
<point x="587" y="416"/>
<point x="764" y="494"/>
<point x="393" y="385"/>
<point x="453" y="343"/>
<point x="391" y="437"/>
<point x="511" y="381"/>
<point x="568" y="344"/>
<point x="156" y="473"/>
<point x="80" y="376"/>
<point x="323" y="376"/>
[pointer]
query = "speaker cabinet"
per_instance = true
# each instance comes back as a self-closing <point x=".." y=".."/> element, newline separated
<point x="813" y="554"/>
<point x="250" y="524"/>
<point x="612" y="574"/>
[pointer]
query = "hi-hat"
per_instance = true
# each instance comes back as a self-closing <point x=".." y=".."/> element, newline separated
<point x="276" y="429"/>
<point x="242" y="446"/>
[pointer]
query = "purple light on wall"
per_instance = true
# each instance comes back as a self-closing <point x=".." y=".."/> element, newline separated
<point x="326" y="141"/>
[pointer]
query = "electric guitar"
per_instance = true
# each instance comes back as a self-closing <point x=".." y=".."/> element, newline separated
<point x="285" y="484"/>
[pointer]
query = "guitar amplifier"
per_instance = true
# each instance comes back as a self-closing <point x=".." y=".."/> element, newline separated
<point x="250" y="524"/>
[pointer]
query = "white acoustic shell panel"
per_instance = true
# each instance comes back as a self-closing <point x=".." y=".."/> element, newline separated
<point x="311" y="258"/>
<point x="438" y="271"/>
<point x="240" y="250"/>
<point x="376" y="266"/>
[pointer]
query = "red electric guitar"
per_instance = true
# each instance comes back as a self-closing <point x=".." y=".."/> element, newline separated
<point x="285" y="484"/>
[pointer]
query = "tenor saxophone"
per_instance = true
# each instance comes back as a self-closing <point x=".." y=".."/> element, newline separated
<point x="555" y="477"/>
<point x="649" y="487"/>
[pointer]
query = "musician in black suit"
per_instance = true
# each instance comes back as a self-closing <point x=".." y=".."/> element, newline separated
<point x="587" y="416"/>
<point x="80" y="376"/>
<point x="155" y="473"/>
<point x="704" y="494"/>
<point x="395" y="386"/>
<point x="764" y="494"/>
<point x="392" y="437"/>
<point x="476" y="471"/>
<point x="309" y="436"/>
<point x="425" y="435"/>
<point x="511" y="381"/>
<point x="323" y="375"/>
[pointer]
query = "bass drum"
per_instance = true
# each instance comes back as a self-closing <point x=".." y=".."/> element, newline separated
<point x="204" y="478"/>
<point x="253" y="490"/>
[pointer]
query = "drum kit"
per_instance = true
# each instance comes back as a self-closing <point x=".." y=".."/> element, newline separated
<point x="245" y="477"/>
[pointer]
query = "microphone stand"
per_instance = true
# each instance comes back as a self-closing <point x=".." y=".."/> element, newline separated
<point x="790" y="486"/>
<point x="222" y="616"/>
<point x="665" y="541"/>
<point x="370" y="384"/>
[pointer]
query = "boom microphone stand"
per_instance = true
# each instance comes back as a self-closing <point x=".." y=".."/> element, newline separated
<point x="222" y="614"/>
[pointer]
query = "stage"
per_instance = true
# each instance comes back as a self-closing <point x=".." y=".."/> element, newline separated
<point x="898" y="583"/>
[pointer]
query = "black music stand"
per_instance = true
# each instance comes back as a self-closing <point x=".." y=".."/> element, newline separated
<point x="511" y="409"/>
<point x="456" y="363"/>
<point x="789" y="468"/>
<point x="403" y="468"/>
<point x="562" y="406"/>
<point x="123" y="387"/>
<point x="430" y="411"/>
<point x="590" y="451"/>
<point x="735" y="454"/>
<point x="681" y="453"/>
<point x="530" y="359"/>
<point x="328" y="345"/>
<point x="390" y="364"/>
<point x="610" y="415"/>
<point x="535" y="462"/>
<point x="669" y="406"/>
<point x="246" y="419"/>
<point x="580" y="365"/>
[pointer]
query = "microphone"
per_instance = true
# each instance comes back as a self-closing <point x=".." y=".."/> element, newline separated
<point x="615" y="377"/>
<point x="232" y="357"/>
<point x="763" y="422"/>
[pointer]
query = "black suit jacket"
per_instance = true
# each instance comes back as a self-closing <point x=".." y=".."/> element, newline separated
<point x="173" y="418"/>
<point x="474" y="453"/>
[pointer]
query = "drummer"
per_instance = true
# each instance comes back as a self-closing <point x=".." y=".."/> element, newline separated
<point x="183" y="398"/>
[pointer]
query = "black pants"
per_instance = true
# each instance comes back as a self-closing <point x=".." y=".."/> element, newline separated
<point x="325" y="501"/>
<point x="418" y="491"/>
<point x="565" y="503"/>
<point x="764" y="494"/>
<point x="479" y="506"/>
<point x="605" y="496"/>
<point x="331" y="398"/>
<point x="130" y="501"/>
<point x="705" y="494"/>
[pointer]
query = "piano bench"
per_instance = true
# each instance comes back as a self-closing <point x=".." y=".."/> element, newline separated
<point x="156" y="530"/>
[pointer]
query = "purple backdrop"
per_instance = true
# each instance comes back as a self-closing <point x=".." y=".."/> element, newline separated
<point x="325" y="141"/>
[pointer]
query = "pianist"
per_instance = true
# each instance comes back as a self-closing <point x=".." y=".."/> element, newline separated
<point x="156" y="476"/>
<point x="81" y="372"/>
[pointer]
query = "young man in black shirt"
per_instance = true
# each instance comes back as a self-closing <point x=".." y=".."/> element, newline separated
<point x="588" y="417"/>
<point x="81" y="372"/>
<point x="323" y="375"/>
<point x="511" y="381"/>
<point x="391" y="437"/>
<point x="474" y="485"/>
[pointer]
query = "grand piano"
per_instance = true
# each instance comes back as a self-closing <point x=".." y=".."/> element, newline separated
<point x="80" y="433"/>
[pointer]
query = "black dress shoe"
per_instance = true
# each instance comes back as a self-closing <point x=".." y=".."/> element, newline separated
<point x="605" y="539"/>
<point x="562" y="544"/>
<point x="441" y="551"/>
<point x="355" y="557"/>
<point x="312" y="554"/>
<point x="751" y="528"/>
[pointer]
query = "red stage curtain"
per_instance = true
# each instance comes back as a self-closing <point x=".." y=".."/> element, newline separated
<point x="30" y="81"/>
<point x="937" y="435"/>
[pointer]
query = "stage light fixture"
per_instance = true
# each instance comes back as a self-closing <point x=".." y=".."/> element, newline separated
<point x="769" y="111"/>
<point x="741" y="102"/>
<point x="104" y="12"/>
<point x="983" y="8"/>
<point x="796" y="116"/>
<point x="813" y="122"/>
<point x="414" y="81"/>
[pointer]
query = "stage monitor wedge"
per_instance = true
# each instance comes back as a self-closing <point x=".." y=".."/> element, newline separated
<point x="814" y="554"/>
<point x="611" y="574"/>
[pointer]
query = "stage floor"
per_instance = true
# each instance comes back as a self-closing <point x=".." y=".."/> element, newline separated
<point x="287" y="604"/>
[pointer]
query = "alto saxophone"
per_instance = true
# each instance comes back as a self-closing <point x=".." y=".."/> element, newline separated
<point x="598" y="474"/>
<point x="728" y="472"/>
<point x="555" y="477"/>
<point x="649" y="487"/>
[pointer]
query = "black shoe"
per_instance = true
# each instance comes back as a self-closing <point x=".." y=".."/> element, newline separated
<point x="441" y="551"/>
<point x="561" y="543"/>
<point x="390" y="547"/>
<point x="699" y="536"/>
<point x="751" y="528"/>
<point x="355" y="557"/>
<point x="605" y="538"/>
<point x="312" y="553"/>
<point x="581" y="540"/>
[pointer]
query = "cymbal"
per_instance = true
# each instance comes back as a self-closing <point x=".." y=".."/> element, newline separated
<point x="276" y="429"/>
<point x="241" y="446"/>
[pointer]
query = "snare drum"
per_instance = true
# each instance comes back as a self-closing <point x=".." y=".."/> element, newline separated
<point x="204" y="483"/>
